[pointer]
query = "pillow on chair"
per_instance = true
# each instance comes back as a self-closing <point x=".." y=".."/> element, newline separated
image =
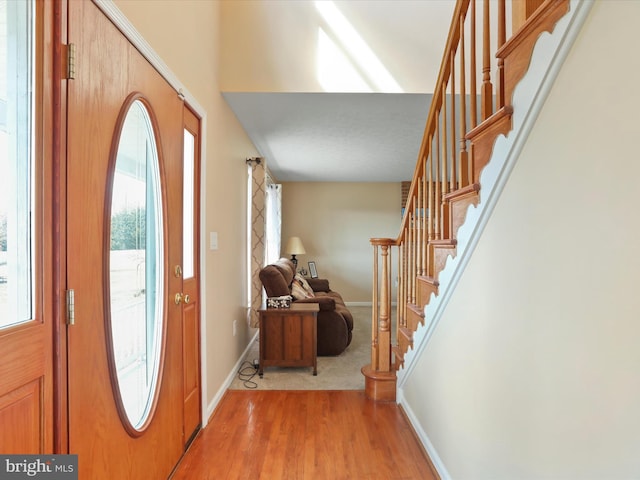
<point x="298" y="289"/>
<point x="304" y="284"/>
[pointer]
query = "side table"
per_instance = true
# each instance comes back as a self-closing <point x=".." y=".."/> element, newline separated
<point x="289" y="336"/>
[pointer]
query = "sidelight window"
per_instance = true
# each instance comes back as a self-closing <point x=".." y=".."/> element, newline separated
<point x="16" y="162"/>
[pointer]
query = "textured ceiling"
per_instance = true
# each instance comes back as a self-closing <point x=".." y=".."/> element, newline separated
<point x="348" y="137"/>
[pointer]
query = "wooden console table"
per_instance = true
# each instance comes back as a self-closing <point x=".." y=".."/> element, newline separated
<point x="288" y="337"/>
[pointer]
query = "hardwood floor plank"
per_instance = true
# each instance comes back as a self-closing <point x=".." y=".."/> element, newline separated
<point x="305" y="435"/>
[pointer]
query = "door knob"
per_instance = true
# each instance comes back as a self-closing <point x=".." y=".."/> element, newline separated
<point x="181" y="297"/>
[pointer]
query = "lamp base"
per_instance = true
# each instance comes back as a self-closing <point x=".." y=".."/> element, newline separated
<point x="295" y="261"/>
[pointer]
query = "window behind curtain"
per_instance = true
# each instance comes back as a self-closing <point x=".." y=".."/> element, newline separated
<point x="273" y="219"/>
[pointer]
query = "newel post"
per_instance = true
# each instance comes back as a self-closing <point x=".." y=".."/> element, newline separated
<point x="380" y="376"/>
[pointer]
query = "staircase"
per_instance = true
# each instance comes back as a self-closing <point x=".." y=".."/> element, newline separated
<point x="485" y="57"/>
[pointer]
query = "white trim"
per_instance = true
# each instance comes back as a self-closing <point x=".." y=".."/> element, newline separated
<point x="203" y="269"/>
<point x="227" y="382"/>
<point x="364" y="304"/>
<point x="358" y="304"/>
<point x="128" y="30"/>
<point x="116" y="16"/>
<point x="424" y="439"/>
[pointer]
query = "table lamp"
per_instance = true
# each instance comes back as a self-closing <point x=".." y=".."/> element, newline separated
<point x="294" y="247"/>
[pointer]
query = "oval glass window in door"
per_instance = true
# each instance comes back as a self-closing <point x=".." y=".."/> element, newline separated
<point x="136" y="286"/>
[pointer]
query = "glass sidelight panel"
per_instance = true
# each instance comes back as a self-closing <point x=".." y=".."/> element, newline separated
<point x="136" y="266"/>
<point x="16" y="162"/>
<point x="189" y="159"/>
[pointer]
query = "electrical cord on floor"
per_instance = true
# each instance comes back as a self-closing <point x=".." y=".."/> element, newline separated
<point x="246" y="372"/>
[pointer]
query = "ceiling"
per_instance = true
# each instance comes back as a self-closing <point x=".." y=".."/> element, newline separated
<point x="334" y="137"/>
<point x="332" y="134"/>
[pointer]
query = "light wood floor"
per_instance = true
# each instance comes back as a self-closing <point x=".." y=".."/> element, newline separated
<point x="301" y="435"/>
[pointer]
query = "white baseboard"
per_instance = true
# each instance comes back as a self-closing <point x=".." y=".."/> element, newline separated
<point x="227" y="383"/>
<point x="424" y="439"/>
<point x="364" y="304"/>
<point x="358" y="304"/>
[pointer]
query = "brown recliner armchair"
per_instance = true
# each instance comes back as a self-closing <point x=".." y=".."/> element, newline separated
<point x="335" y="323"/>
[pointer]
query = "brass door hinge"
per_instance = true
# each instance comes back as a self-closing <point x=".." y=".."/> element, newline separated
<point x="71" y="307"/>
<point x="71" y="61"/>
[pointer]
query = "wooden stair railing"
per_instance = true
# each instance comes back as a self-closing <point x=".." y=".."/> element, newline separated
<point x="470" y="108"/>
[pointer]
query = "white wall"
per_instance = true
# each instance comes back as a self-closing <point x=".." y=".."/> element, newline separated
<point x="335" y="222"/>
<point x="184" y="33"/>
<point x="532" y="372"/>
<point x="274" y="46"/>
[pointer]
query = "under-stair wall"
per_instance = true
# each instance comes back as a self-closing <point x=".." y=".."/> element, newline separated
<point x="529" y="369"/>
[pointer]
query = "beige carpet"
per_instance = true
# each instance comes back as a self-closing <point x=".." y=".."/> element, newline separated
<point x="334" y="373"/>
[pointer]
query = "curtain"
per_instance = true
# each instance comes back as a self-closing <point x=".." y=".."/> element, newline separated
<point x="256" y="238"/>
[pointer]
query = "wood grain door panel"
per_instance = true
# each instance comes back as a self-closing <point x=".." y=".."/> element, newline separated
<point x="108" y="70"/>
<point x="22" y="412"/>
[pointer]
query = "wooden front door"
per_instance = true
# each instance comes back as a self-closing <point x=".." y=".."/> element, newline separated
<point x="118" y="272"/>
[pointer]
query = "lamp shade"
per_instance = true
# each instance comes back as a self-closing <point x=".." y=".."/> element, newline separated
<point x="294" y="246"/>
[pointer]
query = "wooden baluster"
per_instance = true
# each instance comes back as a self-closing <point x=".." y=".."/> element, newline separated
<point x="375" y="311"/>
<point x="453" y="174"/>
<point x="487" y="87"/>
<point x="407" y="297"/>
<point x="412" y="243"/>
<point x="464" y="162"/>
<point x="501" y="41"/>
<point x="474" y="70"/>
<point x="425" y="218"/>
<point x="430" y="233"/>
<point x="419" y="222"/>
<point x="402" y="293"/>
<point x="384" y="336"/>
<point x="407" y="251"/>
<point x="438" y="189"/>
<point x="445" y="157"/>
<point x="419" y="228"/>
<point x="407" y="287"/>
<point x="416" y="247"/>
<point x="444" y="180"/>
<point x="400" y="318"/>
<point x="388" y="308"/>
<point x="401" y="286"/>
<point x="380" y="318"/>
<point x="429" y="206"/>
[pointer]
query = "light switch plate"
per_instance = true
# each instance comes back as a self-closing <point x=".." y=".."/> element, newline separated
<point x="213" y="240"/>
